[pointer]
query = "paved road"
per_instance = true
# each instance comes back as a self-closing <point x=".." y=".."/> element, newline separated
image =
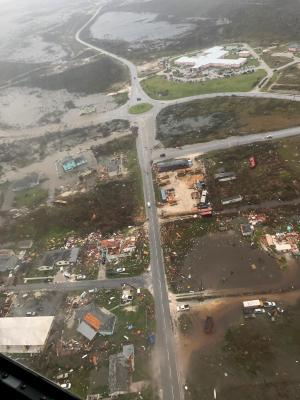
<point x="137" y="281"/>
<point x="232" y="141"/>
<point x="170" y="382"/>
<point x="170" y="387"/>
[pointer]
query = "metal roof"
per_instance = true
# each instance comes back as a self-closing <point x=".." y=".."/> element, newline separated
<point x="86" y="330"/>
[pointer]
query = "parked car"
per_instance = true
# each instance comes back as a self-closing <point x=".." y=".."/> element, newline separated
<point x="30" y="313"/>
<point x="268" y="304"/>
<point x="269" y="137"/>
<point x="162" y="155"/>
<point x="119" y="270"/>
<point x="80" y="277"/>
<point x="259" y="310"/>
<point x="67" y="275"/>
<point x="183" y="307"/>
<point x="66" y="385"/>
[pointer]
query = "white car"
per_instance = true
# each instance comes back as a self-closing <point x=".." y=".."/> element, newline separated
<point x="259" y="310"/>
<point x="269" y="137"/>
<point x="66" y="385"/>
<point x="120" y="270"/>
<point x="148" y="204"/>
<point x="268" y="304"/>
<point x="183" y="307"/>
<point x="30" y="314"/>
<point x="80" y="277"/>
<point x="67" y="275"/>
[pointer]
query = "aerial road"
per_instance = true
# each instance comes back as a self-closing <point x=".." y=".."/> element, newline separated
<point x="136" y="281"/>
<point x="169" y="382"/>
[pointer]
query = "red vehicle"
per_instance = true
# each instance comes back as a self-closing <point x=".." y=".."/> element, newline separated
<point x="252" y="162"/>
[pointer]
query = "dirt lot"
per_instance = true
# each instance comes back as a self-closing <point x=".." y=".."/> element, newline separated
<point x="248" y="359"/>
<point x="275" y="177"/>
<point x="218" y="118"/>
<point x="182" y="195"/>
<point x="288" y="79"/>
<point x="276" y="61"/>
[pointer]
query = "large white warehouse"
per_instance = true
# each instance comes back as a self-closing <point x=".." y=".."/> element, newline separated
<point x="213" y="57"/>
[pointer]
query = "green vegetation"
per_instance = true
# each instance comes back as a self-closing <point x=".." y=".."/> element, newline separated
<point x="220" y="117"/>
<point x="275" y="176"/>
<point x="109" y="207"/>
<point x="121" y="98"/>
<point x="160" y="88"/>
<point x="30" y="198"/>
<point x="127" y="146"/>
<point x="178" y="238"/>
<point x="185" y="323"/>
<point x="140" y="108"/>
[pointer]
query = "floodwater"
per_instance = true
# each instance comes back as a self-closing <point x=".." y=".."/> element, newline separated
<point x="27" y="107"/>
<point x="23" y="24"/>
<point x="133" y="27"/>
<point x="226" y="260"/>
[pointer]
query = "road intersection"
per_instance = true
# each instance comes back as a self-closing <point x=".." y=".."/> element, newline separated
<point x="170" y="382"/>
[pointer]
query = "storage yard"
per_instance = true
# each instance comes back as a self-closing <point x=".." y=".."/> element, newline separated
<point x="181" y="188"/>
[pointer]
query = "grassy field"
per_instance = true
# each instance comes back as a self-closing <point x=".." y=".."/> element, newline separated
<point x="121" y="98"/>
<point x="140" y="108"/>
<point x="160" y="88"/>
<point x="220" y="117"/>
<point x="30" y="198"/>
<point x="275" y="176"/>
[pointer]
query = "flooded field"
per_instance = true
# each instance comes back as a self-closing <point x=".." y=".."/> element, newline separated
<point x="135" y="27"/>
<point x="23" y="25"/>
<point x="26" y="107"/>
<point x="225" y="260"/>
<point x="199" y="256"/>
<point x="248" y="359"/>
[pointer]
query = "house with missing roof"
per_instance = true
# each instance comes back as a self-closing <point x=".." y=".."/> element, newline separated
<point x="95" y="320"/>
<point x="121" y="367"/>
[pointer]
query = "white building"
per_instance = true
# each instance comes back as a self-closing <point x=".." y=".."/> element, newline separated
<point x="213" y="57"/>
<point x="24" y="334"/>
